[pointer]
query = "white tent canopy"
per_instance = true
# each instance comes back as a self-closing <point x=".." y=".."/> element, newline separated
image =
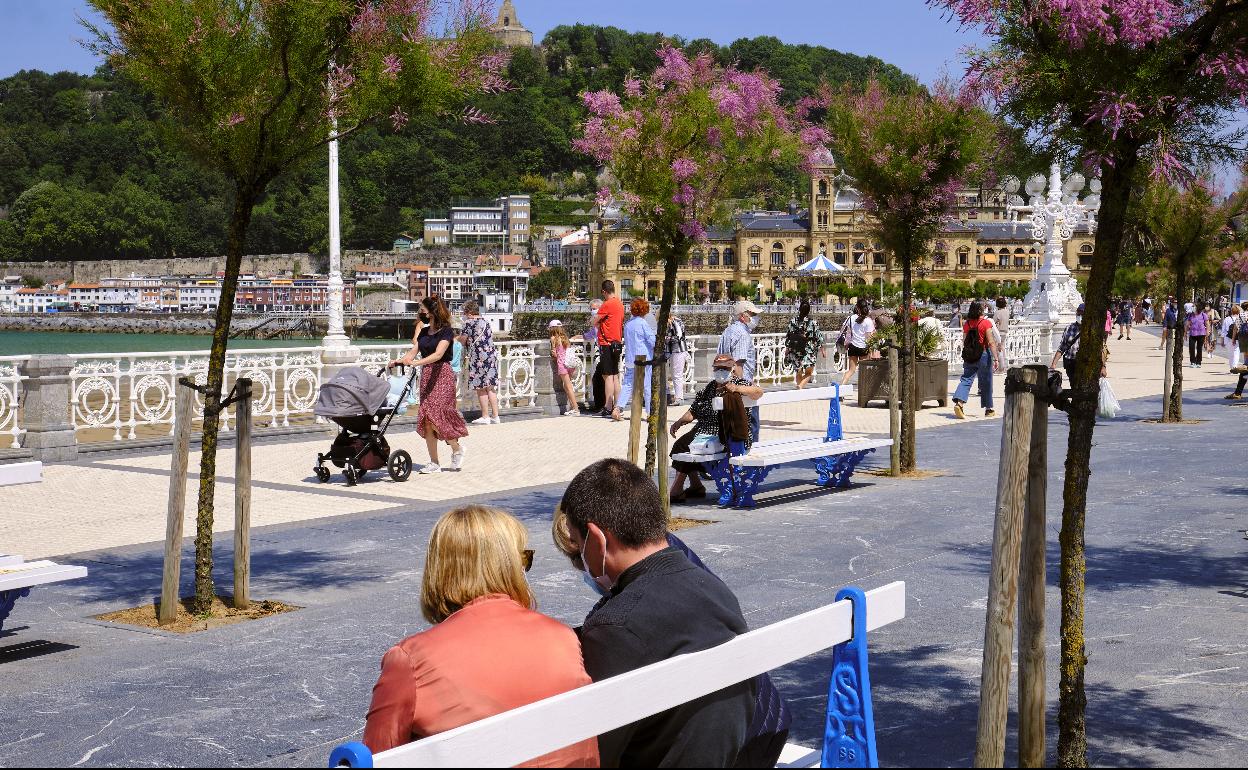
<point x="820" y="263"/>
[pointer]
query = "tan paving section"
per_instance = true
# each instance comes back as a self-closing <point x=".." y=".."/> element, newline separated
<point x="115" y="501"/>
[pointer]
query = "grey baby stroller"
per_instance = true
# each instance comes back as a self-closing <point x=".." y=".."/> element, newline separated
<point x="362" y="406"/>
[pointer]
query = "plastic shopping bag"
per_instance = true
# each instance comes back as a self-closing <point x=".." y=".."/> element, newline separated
<point x="397" y="383"/>
<point x="1108" y="406"/>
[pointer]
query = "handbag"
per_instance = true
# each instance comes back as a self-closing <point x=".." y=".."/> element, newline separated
<point x="843" y="340"/>
<point x="706" y="444"/>
<point x="1107" y="406"/>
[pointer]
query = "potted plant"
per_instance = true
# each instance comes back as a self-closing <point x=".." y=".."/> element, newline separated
<point x="931" y="373"/>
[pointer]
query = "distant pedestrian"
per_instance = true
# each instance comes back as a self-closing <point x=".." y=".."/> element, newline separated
<point x="639" y="340"/>
<point x="803" y="345"/>
<point x="736" y="342"/>
<point x="1197" y="327"/>
<point x="1235" y="328"/>
<point x="1001" y="317"/>
<point x="610" y="326"/>
<point x="597" y="383"/>
<point x="677" y="356"/>
<point x="560" y="351"/>
<point x="1126" y="317"/>
<point x="979" y="351"/>
<point x="955" y="316"/>
<point x="1069" y="346"/>
<point x="1214" y="325"/>
<point x="478" y="340"/>
<point x="438" y="417"/>
<point x="856" y="332"/>
<point x="1169" y="322"/>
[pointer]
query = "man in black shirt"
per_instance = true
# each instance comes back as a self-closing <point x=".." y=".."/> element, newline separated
<point x="657" y="604"/>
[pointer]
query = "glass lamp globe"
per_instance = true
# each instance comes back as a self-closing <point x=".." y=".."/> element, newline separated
<point x="1010" y="184"/>
<point x="1074" y="183"/>
<point x="1095" y="185"/>
<point x="1035" y="184"/>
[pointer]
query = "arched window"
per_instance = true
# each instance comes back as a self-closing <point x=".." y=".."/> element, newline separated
<point x="964" y="256"/>
<point x="838" y="252"/>
<point x="823" y="187"/>
<point x="877" y="254"/>
<point x="756" y="256"/>
<point x="777" y="254"/>
<point x="1085" y="255"/>
<point x="799" y="256"/>
<point x="695" y="259"/>
<point x="1020" y="257"/>
<point x="713" y="257"/>
<point x="860" y="252"/>
<point x="730" y="257"/>
<point x="627" y="255"/>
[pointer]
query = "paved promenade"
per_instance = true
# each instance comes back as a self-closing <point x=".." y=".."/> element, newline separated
<point x="1167" y="590"/>
<point x="120" y="499"/>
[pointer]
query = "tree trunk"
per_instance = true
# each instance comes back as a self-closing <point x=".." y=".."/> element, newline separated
<point x="1072" y="744"/>
<point x="1174" y="407"/>
<point x="909" y="392"/>
<point x="239" y="220"/>
<point x="658" y="389"/>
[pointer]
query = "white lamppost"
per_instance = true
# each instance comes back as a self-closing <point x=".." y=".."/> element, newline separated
<point x="337" y="350"/>
<point x="1053" y="219"/>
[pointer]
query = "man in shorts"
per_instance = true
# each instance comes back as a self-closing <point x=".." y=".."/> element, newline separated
<point x="610" y="325"/>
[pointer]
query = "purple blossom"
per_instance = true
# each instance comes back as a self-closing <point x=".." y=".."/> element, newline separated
<point x="683" y="168"/>
<point x="693" y="230"/>
<point x="398" y="118"/>
<point x="632" y="88"/>
<point x="392" y="65"/>
<point x="603" y="104"/>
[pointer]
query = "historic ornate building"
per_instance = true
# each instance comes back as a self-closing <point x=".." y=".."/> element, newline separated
<point x="508" y="29"/>
<point x="765" y="248"/>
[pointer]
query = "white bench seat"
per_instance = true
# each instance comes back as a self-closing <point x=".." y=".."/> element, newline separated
<point x="807" y="449"/>
<point x="521" y="734"/>
<point x="17" y="577"/>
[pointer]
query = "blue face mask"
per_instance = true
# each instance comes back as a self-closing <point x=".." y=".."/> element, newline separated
<point x="602" y="584"/>
<point x="593" y="584"/>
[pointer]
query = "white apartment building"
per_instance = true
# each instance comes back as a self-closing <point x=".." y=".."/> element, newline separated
<point x="506" y="221"/>
<point x="41" y="300"/>
<point x="452" y="281"/>
<point x="9" y="285"/>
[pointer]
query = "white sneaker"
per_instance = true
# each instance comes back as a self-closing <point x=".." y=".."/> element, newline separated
<point x="481" y="421"/>
<point x="572" y="413"/>
<point x="457" y="459"/>
<point x="431" y="468"/>
<point x="498" y="420"/>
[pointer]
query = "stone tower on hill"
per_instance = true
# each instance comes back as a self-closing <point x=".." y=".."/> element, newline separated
<point x="508" y="29"/>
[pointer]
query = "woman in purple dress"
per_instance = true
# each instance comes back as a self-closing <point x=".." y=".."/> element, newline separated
<point x="438" y="418"/>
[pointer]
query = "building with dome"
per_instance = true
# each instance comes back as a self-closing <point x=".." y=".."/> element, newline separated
<point x="766" y="248"/>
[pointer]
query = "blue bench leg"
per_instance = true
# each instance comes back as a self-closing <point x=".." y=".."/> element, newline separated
<point x="7" y="600"/>
<point x="721" y="474"/>
<point x="836" y="470"/>
<point x="849" y="732"/>
<point x="748" y="480"/>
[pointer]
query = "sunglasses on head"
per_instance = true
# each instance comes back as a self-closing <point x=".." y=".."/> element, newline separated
<point x="526" y="558"/>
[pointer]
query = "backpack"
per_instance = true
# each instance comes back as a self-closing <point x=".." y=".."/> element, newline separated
<point x="795" y="340"/>
<point x="1242" y="337"/>
<point x="676" y="341"/>
<point x="972" y="345"/>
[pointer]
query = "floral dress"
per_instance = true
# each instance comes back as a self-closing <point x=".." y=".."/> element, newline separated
<point x="809" y="353"/>
<point x="482" y="357"/>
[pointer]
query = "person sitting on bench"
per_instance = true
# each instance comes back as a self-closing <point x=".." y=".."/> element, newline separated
<point x="488" y="651"/>
<point x="727" y="379"/>
<point x="657" y="604"/>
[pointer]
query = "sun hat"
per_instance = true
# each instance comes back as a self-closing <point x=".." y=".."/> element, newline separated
<point x="745" y="306"/>
<point x="723" y="361"/>
<point x="554" y="324"/>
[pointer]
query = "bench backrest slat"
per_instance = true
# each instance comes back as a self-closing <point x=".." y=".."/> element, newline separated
<point x="773" y="397"/>
<point x="515" y="736"/>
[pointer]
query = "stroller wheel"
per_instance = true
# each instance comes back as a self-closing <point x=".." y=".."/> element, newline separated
<point x="351" y="475"/>
<point x="322" y="473"/>
<point x="400" y="465"/>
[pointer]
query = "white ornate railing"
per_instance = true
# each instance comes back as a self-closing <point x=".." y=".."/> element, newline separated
<point x="517" y="381"/>
<point x="10" y="397"/>
<point x="1026" y="342"/>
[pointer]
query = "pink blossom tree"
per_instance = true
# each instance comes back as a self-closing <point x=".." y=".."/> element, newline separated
<point x="1126" y="84"/>
<point x="252" y="87"/>
<point x="680" y="143"/>
<point x="909" y="154"/>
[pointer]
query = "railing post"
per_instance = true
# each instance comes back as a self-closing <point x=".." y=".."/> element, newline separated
<point x="703" y="356"/>
<point x="49" y="425"/>
<point x="544" y="372"/>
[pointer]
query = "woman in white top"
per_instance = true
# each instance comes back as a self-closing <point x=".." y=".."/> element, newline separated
<point x="1236" y="320"/>
<point x="857" y="330"/>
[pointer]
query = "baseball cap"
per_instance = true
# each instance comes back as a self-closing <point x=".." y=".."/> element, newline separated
<point x="554" y="324"/>
<point x="723" y="361"/>
<point x="745" y="306"/>
<point x="1080" y="310"/>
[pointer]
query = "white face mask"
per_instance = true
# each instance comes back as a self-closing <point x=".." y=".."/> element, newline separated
<point x="753" y="323"/>
<point x="602" y="583"/>
<point x="722" y="376"/>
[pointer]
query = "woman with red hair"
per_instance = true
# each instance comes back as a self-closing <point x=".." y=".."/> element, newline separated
<point x="639" y="340"/>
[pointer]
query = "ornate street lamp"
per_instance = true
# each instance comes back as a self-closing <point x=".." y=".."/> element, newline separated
<point x="337" y="350"/>
<point x="1053" y="219"/>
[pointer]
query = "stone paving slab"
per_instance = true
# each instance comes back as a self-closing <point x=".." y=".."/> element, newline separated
<point x="1167" y="605"/>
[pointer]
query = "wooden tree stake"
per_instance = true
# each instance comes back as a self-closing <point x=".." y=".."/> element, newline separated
<point x="894" y="412"/>
<point x="242" y="497"/>
<point x="1031" y="662"/>
<point x="1003" y="577"/>
<point x="184" y="404"/>
<point x="634" y="415"/>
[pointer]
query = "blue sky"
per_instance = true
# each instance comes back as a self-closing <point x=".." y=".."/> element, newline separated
<point x="43" y="34"/>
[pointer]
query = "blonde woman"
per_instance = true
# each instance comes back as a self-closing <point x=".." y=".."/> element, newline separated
<point x="489" y="651"/>
<point x="560" y="349"/>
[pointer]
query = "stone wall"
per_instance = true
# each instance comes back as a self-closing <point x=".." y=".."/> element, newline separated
<point x="117" y="323"/>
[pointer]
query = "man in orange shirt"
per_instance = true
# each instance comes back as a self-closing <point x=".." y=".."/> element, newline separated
<point x="610" y="324"/>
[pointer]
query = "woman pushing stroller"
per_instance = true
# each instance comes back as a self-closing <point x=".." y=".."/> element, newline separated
<point x="438" y="417"/>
